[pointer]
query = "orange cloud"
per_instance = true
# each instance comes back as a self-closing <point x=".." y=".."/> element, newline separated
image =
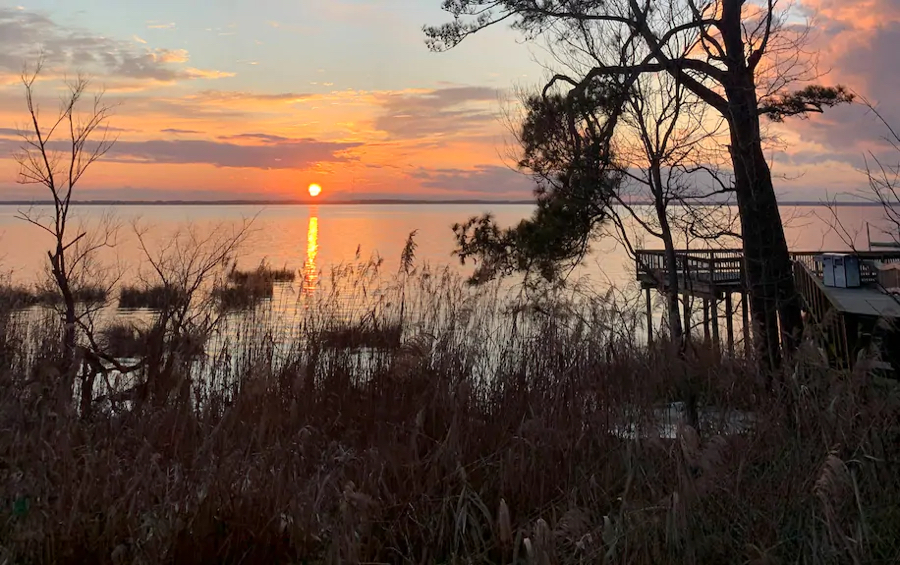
<point x="354" y="141"/>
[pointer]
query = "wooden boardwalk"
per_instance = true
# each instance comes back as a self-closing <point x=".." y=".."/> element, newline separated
<point x="846" y="318"/>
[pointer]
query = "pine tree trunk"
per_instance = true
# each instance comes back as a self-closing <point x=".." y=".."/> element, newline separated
<point x="768" y="263"/>
<point x="773" y="298"/>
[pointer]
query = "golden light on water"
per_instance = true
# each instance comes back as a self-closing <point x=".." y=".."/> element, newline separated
<point x="310" y="270"/>
<point x="315" y="190"/>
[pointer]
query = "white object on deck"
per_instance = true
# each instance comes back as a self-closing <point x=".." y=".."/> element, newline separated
<point x="840" y="270"/>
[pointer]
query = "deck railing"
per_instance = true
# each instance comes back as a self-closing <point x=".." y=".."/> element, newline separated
<point x="724" y="266"/>
<point x="868" y="260"/>
<point x="830" y="328"/>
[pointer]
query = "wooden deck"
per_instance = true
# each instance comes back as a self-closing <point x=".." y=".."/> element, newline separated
<point x="710" y="275"/>
<point x="846" y="317"/>
<point x="701" y="273"/>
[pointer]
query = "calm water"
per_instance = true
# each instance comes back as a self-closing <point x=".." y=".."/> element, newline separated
<point x="313" y="238"/>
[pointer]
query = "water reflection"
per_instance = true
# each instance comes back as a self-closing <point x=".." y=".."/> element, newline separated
<point x="310" y="270"/>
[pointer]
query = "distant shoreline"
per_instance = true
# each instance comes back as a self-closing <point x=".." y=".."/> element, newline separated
<point x="380" y="202"/>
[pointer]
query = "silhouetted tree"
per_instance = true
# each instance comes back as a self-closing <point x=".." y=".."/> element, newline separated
<point x="738" y="57"/>
<point x="55" y="155"/>
<point x="884" y="179"/>
<point x="662" y="155"/>
<point x="565" y="148"/>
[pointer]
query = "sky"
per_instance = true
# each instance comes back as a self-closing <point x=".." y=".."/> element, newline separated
<point x="257" y="99"/>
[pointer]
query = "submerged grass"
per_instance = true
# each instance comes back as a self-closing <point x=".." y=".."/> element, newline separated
<point x="489" y="432"/>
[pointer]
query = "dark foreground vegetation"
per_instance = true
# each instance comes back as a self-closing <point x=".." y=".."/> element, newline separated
<point x="490" y="431"/>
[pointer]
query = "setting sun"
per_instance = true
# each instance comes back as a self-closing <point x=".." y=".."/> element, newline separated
<point x="315" y="190"/>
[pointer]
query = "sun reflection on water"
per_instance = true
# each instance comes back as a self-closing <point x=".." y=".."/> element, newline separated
<point x="310" y="270"/>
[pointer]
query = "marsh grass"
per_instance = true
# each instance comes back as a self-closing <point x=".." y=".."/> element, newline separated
<point x="83" y="295"/>
<point x="486" y="435"/>
<point x="154" y="297"/>
<point x="123" y="340"/>
<point x="262" y="272"/>
<point x="245" y="289"/>
<point x="368" y="333"/>
<point x="13" y="296"/>
<point x="244" y="295"/>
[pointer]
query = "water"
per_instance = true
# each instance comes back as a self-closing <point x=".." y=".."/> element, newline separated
<point x="313" y="238"/>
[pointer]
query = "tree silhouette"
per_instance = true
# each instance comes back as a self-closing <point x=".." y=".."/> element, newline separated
<point x="739" y="58"/>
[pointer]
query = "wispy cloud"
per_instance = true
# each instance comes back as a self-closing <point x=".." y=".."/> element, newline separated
<point x="177" y="131"/>
<point x="858" y="43"/>
<point x="160" y="25"/>
<point x="24" y="34"/>
<point x="237" y="96"/>
<point x="289" y="154"/>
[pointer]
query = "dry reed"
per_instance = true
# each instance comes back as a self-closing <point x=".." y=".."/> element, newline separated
<point x="489" y="434"/>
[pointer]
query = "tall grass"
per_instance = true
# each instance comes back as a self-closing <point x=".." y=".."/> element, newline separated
<point x="489" y="431"/>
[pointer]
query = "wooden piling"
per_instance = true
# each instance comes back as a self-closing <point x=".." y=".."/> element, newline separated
<point x="714" y="311"/>
<point x="729" y="322"/>
<point x="706" y="319"/>
<point x="745" y="318"/>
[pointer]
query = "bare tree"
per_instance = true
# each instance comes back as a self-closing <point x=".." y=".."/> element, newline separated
<point x="189" y="266"/>
<point x="740" y="59"/>
<point x="662" y="152"/>
<point x="884" y="180"/>
<point x="55" y="155"/>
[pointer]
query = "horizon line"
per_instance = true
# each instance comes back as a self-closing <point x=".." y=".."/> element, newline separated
<point x="372" y="201"/>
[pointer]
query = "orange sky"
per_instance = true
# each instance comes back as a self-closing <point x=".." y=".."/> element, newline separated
<point x="259" y="100"/>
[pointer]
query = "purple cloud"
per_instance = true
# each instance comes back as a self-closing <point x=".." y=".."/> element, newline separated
<point x="289" y="154"/>
<point x="483" y="180"/>
<point x="180" y="131"/>
<point x="438" y="112"/>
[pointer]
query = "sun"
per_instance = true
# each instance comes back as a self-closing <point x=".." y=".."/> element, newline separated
<point x="315" y="190"/>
